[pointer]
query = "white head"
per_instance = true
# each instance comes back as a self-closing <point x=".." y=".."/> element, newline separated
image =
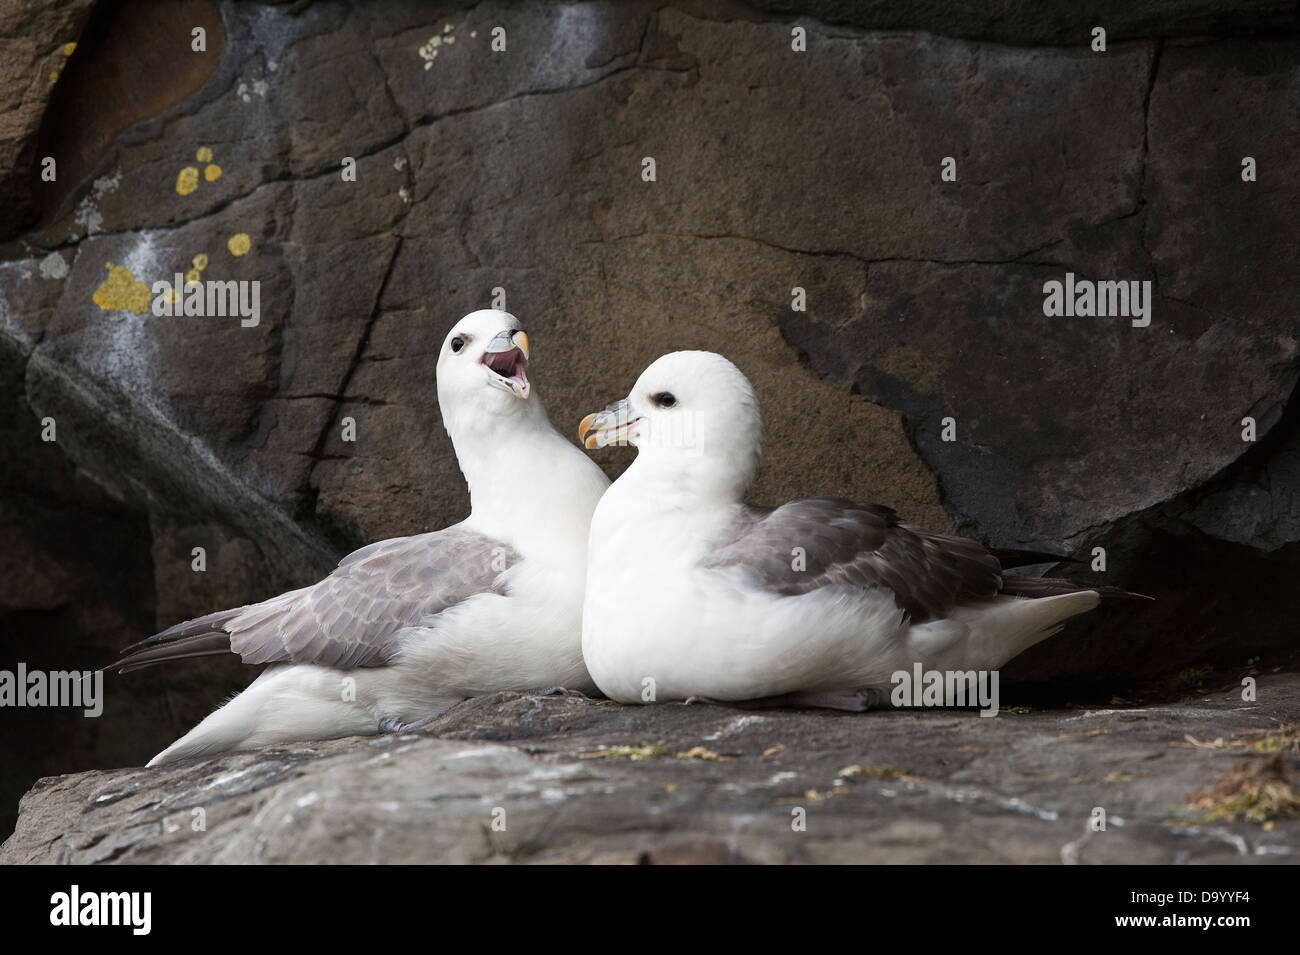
<point x="695" y="422"/>
<point x="482" y="370"/>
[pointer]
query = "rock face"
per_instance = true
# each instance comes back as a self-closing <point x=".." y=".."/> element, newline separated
<point x="512" y="778"/>
<point x="36" y="40"/>
<point x="524" y="170"/>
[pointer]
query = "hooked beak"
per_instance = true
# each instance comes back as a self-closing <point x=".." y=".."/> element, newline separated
<point x="612" y="426"/>
<point x="506" y="359"/>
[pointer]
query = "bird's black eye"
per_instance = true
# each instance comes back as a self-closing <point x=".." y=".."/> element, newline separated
<point x="665" y="399"/>
<point x="457" y="344"/>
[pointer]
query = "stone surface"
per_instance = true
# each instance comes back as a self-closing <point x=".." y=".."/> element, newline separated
<point x="718" y="785"/>
<point x="522" y="171"/>
<point x="34" y="38"/>
<point x="1030" y="22"/>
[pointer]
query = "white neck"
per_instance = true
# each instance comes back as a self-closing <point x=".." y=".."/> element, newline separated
<point x="516" y="463"/>
<point x="687" y="482"/>
<point x="655" y="507"/>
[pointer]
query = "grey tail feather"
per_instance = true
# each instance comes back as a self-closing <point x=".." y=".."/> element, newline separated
<point x="198" y="645"/>
<point x="1010" y="557"/>
<point x="201" y="637"/>
<point x="1016" y="586"/>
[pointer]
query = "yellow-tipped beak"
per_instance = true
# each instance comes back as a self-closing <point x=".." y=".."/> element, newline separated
<point x="586" y="431"/>
<point x="612" y="426"/>
<point x="521" y="341"/>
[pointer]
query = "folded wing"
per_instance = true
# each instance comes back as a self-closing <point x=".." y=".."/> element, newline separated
<point x="352" y="618"/>
<point x="805" y="545"/>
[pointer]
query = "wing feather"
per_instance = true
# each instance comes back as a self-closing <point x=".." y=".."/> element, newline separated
<point x="355" y="616"/>
<point x="819" y="542"/>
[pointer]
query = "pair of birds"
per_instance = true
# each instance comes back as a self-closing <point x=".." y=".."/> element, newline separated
<point x="663" y="586"/>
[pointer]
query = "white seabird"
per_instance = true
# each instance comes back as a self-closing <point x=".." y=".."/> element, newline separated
<point x="693" y="593"/>
<point x="404" y="628"/>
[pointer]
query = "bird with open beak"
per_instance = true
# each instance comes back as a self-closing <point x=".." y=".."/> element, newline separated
<point x="405" y="628"/>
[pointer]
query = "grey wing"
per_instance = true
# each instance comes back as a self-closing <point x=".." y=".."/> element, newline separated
<point x="354" y="616"/>
<point x="819" y="542"/>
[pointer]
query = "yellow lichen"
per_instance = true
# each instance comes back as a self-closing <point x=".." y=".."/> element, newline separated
<point x="121" y="291"/>
<point x="54" y="77"/>
<point x="193" y="276"/>
<point x="200" y="261"/>
<point x="172" y="296"/>
<point x="239" y="244"/>
<point x="1285" y="737"/>
<point x="700" y="752"/>
<point x="859" y="770"/>
<point x="187" y="181"/>
<point x="634" y="753"/>
<point x="211" y="172"/>
<point x="204" y="154"/>
<point x="68" y="48"/>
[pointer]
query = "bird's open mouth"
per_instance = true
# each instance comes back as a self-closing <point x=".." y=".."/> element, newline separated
<point x="508" y="370"/>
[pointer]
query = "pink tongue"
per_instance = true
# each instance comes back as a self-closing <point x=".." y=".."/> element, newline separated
<point x="504" y="363"/>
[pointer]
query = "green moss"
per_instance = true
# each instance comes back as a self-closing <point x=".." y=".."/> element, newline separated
<point x="1285" y="740"/>
<point x="1255" y="790"/>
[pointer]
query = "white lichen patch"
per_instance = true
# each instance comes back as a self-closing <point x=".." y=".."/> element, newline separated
<point x="87" y="215"/>
<point x="735" y="726"/>
<point x="429" y="51"/>
<point x="120" y="345"/>
<point x="54" y="267"/>
<point x="106" y="184"/>
<point x="246" y="91"/>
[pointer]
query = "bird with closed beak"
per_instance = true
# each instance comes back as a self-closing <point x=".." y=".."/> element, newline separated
<point x="692" y="593"/>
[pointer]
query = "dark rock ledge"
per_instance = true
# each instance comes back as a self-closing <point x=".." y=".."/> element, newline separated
<point x="714" y="785"/>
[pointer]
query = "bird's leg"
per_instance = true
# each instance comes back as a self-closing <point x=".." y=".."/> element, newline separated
<point x="392" y="725"/>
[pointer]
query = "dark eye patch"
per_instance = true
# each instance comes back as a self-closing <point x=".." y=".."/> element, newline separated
<point x="665" y="399"/>
<point x="457" y="343"/>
